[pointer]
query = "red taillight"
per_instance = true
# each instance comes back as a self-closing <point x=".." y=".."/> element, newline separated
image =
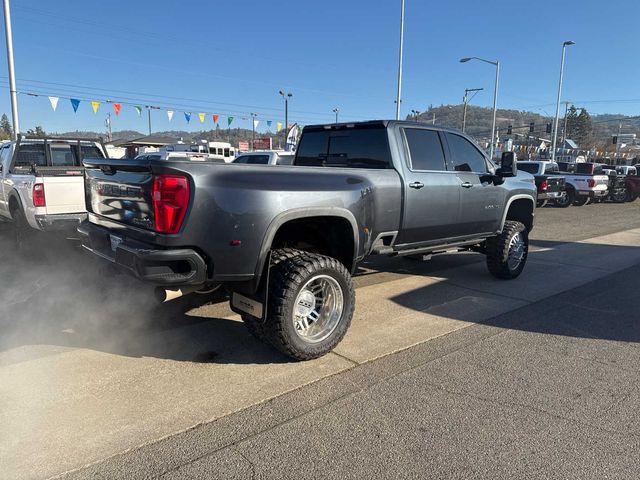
<point x="170" y="202"/>
<point x="38" y="195"/>
<point x="591" y="182"/>
<point x="544" y="185"/>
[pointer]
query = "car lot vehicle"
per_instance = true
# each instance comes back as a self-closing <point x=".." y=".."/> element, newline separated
<point x="549" y="182"/>
<point x="180" y="155"/>
<point x="286" y="241"/>
<point x="588" y="182"/>
<point x="42" y="184"/>
<point x="266" y="157"/>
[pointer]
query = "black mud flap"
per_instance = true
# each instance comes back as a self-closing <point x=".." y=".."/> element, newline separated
<point x="254" y="304"/>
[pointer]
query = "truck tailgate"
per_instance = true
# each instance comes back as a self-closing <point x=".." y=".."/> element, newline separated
<point x="64" y="190"/>
<point x="121" y="190"/>
<point x="555" y="184"/>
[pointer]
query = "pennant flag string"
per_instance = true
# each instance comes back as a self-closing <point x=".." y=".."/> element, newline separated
<point x="187" y="116"/>
<point x="138" y="110"/>
<point x="278" y="126"/>
<point x="54" y="102"/>
<point x="95" y="105"/>
<point x="75" y="103"/>
<point x="116" y="108"/>
<point x="269" y="122"/>
<point x="229" y="120"/>
<point x="201" y="116"/>
<point x="170" y="114"/>
<point x="215" y="118"/>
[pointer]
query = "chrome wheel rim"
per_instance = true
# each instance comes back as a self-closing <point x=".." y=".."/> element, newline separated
<point x="317" y="309"/>
<point x="516" y="251"/>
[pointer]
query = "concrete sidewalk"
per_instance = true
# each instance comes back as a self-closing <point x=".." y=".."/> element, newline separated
<point x="71" y="406"/>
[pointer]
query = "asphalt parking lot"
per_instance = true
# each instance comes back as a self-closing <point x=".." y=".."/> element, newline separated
<point x="445" y="370"/>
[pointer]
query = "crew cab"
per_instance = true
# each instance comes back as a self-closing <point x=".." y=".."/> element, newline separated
<point x="285" y="241"/>
<point x="549" y="182"/>
<point x="587" y="182"/>
<point x="42" y="184"/>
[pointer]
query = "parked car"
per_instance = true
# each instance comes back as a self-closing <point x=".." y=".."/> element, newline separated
<point x="182" y="155"/>
<point x="42" y="184"/>
<point x="588" y="182"/>
<point x="266" y="157"/>
<point x="285" y="243"/>
<point x="549" y="182"/>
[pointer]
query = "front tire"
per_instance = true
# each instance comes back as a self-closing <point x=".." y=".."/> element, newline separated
<point x="507" y="252"/>
<point x="566" y="200"/>
<point x="311" y="304"/>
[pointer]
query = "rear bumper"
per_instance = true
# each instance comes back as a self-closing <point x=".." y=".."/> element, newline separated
<point x="60" y="223"/>
<point x="550" y="195"/>
<point x="169" y="267"/>
<point x="592" y="193"/>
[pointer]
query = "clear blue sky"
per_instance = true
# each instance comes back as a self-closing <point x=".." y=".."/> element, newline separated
<point x="232" y="56"/>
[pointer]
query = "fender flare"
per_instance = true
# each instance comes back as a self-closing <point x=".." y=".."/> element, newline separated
<point x="296" y="214"/>
<point x="14" y="194"/>
<point x="513" y="199"/>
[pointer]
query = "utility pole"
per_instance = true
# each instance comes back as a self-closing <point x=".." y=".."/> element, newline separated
<point x="107" y="123"/>
<point x="416" y="114"/>
<point x="398" y="97"/>
<point x="149" y="115"/>
<point x="555" y="122"/>
<point x="286" y="97"/>
<point x="433" y="121"/>
<point x="618" y="143"/>
<point x="465" y="101"/>
<point x="12" y="73"/>
<point x="336" y="111"/>
<point x="253" y="129"/>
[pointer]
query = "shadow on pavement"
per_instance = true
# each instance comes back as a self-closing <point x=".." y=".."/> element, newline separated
<point x="63" y="298"/>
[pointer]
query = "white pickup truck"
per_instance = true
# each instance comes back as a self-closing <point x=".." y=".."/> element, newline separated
<point x="42" y="184"/>
<point x="587" y="182"/>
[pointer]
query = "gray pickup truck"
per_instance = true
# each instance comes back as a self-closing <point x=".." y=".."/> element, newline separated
<point x="285" y="241"/>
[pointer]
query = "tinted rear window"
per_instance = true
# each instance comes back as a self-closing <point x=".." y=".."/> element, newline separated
<point x="425" y="149"/>
<point x="253" y="159"/>
<point x="352" y="148"/>
<point x="551" y="168"/>
<point x="31" y="154"/>
<point x="528" y="167"/>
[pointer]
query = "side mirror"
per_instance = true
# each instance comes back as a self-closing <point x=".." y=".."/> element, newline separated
<point x="508" y="165"/>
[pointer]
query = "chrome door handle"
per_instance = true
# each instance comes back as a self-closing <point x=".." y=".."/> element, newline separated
<point x="416" y="185"/>
<point x="466" y="185"/>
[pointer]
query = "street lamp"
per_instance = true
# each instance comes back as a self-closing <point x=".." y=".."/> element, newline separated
<point x="253" y="130"/>
<point x="286" y="97"/>
<point x="336" y="111"/>
<point x="465" y="101"/>
<point x="495" y="97"/>
<point x="398" y="99"/>
<point x="555" y="123"/>
<point x="415" y="114"/>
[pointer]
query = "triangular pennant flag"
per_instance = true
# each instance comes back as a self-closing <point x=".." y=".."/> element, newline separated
<point x="255" y="123"/>
<point x="269" y="122"/>
<point x="170" y="114"/>
<point x="187" y="116"/>
<point x="201" y="116"/>
<point x="215" y="118"/>
<point x="75" y="103"/>
<point x="229" y="120"/>
<point x="278" y="126"/>
<point x="54" y="102"/>
<point x="95" y="105"/>
<point x="116" y="108"/>
<point x="138" y="110"/>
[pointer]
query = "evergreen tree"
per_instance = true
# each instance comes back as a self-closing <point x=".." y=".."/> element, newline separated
<point x="584" y="129"/>
<point x="37" y="132"/>
<point x="6" y="130"/>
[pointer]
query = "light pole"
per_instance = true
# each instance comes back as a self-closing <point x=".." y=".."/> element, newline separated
<point x="555" y="122"/>
<point x="253" y="130"/>
<point x="336" y="111"/>
<point x="286" y="97"/>
<point x="415" y="114"/>
<point x="12" y="73"/>
<point x="398" y="100"/>
<point x="465" y="101"/>
<point x="495" y="97"/>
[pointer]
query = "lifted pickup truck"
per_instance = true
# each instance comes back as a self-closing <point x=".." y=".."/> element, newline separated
<point x="42" y="184"/>
<point x="549" y="182"/>
<point x="286" y="240"/>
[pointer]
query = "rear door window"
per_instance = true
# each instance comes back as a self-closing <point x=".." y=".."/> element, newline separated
<point x="253" y="159"/>
<point x="531" y="168"/>
<point x="465" y="157"/>
<point x="551" y="168"/>
<point x="351" y="148"/>
<point x="425" y="149"/>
